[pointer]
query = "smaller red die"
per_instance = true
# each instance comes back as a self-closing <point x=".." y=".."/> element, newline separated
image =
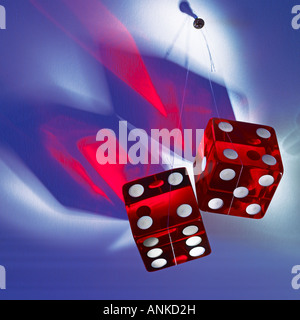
<point x="238" y="168"/>
<point x="165" y="219"/>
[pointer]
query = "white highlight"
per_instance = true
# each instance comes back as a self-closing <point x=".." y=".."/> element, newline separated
<point x="159" y="263"/>
<point x="263" y="133"/>
<point x="204" y="163"/>
<point x="145" y="223"/>
<point x="225" y="126"/>
<point x="241" y="192"/>
<point x="266" y="181"/>
<point x="269" y="160"/>
<point x="253" y="209"/>
<point x="154" y="253"/>
<point x="136" y="190"/>
<point x="151" y="242"/>
<point x="175" y="179"/>
<point x="227" y="174"/>
<point x="194" y="241"/>
<point x="230" y="154"/>
<point x="216" y="204"/>
<point x="190" y="230"/>
<point x="197" y="252"/>
<point x="184" y="210"/>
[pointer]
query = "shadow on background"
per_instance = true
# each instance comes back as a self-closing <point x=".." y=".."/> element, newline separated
<point x="45" y="130"/>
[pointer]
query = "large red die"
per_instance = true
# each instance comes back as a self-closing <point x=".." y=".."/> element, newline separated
<point x="238" y="168"/>
<point x="165" y="219"/>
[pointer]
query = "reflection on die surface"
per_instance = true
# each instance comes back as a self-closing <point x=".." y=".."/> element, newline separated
<point x="241" y="168"/>
<point x="165" y="219"/>
<point x="237" y="170"/>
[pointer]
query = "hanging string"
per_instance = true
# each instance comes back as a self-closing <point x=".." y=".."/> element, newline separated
<point x="176" y="38"/>
<point x="212" y="65"/>
<point x="187" y="67"/>
<point x="175" y="138"/>
<point x="213" y="69"/>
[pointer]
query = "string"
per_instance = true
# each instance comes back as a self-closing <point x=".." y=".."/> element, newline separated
<point x="213" y="69"/>
<point x="176" y="37"/>
<point x="212" y="65"/>
<point x="175" y="138"/>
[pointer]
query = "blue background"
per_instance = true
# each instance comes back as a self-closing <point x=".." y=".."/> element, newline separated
<point x="60" y="241"/>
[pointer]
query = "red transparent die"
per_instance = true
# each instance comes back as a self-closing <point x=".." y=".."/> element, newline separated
<point x="165" y="219"/>
<point x="238" y="168"/>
